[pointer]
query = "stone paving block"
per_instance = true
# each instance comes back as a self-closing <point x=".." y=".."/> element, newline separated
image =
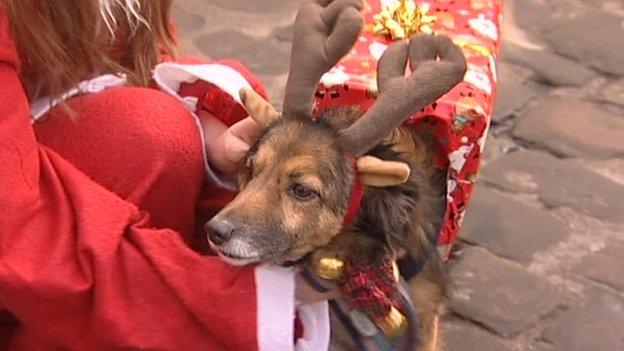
<point x="548" y="67"/>
<point x="513" y="93"/>
<point x="593" y="37"/>
<point x="540" y="11"/>
<point x="285" y="33"/>
<point x="275" y="87"/>
<point x="508" y="71"/>
<point x="498" y="145"/>
<point x="186" y="22"/>
<point x="596" y="326"/>
<point x="557" y="182"/>
<point x="509" y="227"/>
<point x="611" y="168"/>
<point x="612" y="92"/>
<point x="573" y="128"/>
<point x="498" y="293"/>
<point x="606" y="266"/>
<point x="259" y="6"/>
<point x="462" y="336"/>
<point x="262" y="56"/>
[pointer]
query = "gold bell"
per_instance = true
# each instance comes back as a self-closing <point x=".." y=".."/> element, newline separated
<point x="395" y="271"/>
<point x="394" y="324"/>
<point x="330" y="268"/>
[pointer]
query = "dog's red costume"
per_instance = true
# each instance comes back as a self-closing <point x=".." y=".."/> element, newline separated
<point x="96" y="215"/>
<point x="461" y="118"/>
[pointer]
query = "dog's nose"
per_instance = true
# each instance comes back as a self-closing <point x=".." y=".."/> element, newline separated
<point x="219" y="231"/>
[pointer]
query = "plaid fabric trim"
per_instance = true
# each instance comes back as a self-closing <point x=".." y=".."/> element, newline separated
<point x="370" y="286"/>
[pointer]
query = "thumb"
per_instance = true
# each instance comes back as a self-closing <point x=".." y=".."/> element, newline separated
<point x="246" y="130"/>
<point x="235" y="150"/>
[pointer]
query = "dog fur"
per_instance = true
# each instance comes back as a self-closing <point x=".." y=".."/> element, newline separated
<point x="272" y="225"/>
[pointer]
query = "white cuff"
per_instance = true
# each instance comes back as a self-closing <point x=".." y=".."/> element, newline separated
<point x="98" y="84"/>
<point x="169" y="75"/>
<point x="316" y="331"/>
<point x="275" y="291"/>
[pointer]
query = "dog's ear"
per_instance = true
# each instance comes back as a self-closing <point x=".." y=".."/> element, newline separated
<point x="258" y="108"/>
<point x="379" y="173"/>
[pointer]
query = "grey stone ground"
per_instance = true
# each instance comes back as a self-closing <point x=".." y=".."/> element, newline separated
<point x="540" y="262"/>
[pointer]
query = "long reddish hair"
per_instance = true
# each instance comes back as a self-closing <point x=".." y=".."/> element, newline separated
<point x="62" y="42"/>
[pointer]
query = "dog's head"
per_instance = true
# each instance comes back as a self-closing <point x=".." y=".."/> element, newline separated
<point x="296" y="180"/>
<point x="295" y="186"/>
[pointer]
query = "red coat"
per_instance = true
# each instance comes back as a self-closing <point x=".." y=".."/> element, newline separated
<point x="95" y="220"/>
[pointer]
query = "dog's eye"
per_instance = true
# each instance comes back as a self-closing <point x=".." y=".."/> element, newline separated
<point x="302" y="192"/>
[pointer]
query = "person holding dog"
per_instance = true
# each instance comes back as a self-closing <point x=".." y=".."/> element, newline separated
<point x="103" y="178"/>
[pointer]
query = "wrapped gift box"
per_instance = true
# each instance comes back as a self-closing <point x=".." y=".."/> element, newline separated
<point x="460" y="118"/>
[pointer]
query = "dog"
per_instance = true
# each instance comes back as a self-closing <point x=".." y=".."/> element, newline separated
<point x="298" y="179"/>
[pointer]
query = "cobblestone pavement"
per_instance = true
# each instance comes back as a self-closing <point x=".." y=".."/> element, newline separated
<point x="539" y="265"/>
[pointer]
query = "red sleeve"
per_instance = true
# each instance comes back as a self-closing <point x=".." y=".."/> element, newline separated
<point x="80" y="268"/>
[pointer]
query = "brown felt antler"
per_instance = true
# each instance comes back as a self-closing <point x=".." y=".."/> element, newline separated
<point x="437" y="66"/>
<point x="325" y="31"/>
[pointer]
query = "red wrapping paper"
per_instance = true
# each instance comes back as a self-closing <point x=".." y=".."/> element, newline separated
<point x="461" y="118"/>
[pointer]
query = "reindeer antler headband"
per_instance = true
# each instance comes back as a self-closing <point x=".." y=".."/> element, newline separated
<point x="324" y="32"/>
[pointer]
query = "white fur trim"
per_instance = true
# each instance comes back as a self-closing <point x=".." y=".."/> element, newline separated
<point x="316" y="327"/>
<point x="169" y="75"/>
<point x="95" y="85"/>
<point x="275" y="291"/>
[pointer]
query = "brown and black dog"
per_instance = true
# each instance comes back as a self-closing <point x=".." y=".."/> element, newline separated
<point x="296" y="180"/>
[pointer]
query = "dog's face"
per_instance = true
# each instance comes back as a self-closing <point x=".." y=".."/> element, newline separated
<point x="294" y="191"/>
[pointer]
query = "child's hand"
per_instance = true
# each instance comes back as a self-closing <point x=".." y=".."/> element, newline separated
<point x="226" y="146"/>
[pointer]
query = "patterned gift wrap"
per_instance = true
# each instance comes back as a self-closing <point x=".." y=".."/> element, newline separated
<point x="460" y="118"/>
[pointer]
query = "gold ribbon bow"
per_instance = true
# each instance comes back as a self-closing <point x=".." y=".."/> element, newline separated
<point x="402" y="19"/>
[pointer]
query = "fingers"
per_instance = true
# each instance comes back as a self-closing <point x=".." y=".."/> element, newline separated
<point x="335" y="8"/>
<point x="392" y="64"/>
<point x="348" y="27"/>
<point x="234" y="151"/>
<point x="246" y="130"/>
